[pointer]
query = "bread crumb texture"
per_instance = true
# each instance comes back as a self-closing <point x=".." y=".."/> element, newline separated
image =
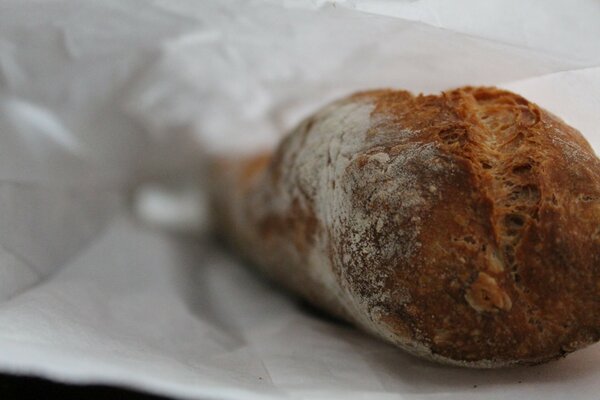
<point x="464" y="227"/>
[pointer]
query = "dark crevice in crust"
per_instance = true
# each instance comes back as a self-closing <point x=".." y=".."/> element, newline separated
<point x="505" y="120"/>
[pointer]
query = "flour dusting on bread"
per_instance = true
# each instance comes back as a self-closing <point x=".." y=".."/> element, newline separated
<point x="462" y="227"/>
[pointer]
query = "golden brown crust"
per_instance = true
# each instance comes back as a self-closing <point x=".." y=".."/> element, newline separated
<point x="464" y="226"/>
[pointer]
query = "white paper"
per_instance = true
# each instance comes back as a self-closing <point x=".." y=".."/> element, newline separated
<point x="96" y="97"/>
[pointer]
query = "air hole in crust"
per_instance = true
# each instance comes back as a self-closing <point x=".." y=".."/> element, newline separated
<point x="451" y="135"/>
<point x="509" y="253"/>
<point x="526" y="193"/>
<point x="516" y="277"/>
<point x="469" y="239"/>
<point x="514" y="221"/>
<point x="586" y="198"/>
<point x="522" y="169"/>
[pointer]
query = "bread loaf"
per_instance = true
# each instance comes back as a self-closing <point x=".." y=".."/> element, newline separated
<point x="462" y="227"/>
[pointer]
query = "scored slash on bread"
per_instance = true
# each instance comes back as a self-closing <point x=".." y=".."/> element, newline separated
<point x="462" y="227"/>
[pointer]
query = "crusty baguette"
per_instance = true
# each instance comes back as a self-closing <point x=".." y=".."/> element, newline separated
<point x="463" y="227"/>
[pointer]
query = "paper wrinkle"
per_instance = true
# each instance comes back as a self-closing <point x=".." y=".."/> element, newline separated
<point x="10" y="73"/>
<point x="16" y="274"/>
<point x="98" y="98"/>
<point x="271" y="88"/>
<point x="39" y="128"/>
<point x="44" y="227"/>
<point x="517" y="23"/>
<point x="35" y="144"/>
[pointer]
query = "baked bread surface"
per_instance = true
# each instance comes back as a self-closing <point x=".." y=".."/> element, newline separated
<point x="462" y="227"/>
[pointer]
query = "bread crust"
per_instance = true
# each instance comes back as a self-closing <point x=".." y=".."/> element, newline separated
<point x="462" y="227"/>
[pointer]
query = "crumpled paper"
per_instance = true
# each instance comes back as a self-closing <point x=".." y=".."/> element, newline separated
<point x="97" y="98"/>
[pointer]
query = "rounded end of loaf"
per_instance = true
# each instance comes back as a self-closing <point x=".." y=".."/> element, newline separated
<point x="469" y="233"/>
